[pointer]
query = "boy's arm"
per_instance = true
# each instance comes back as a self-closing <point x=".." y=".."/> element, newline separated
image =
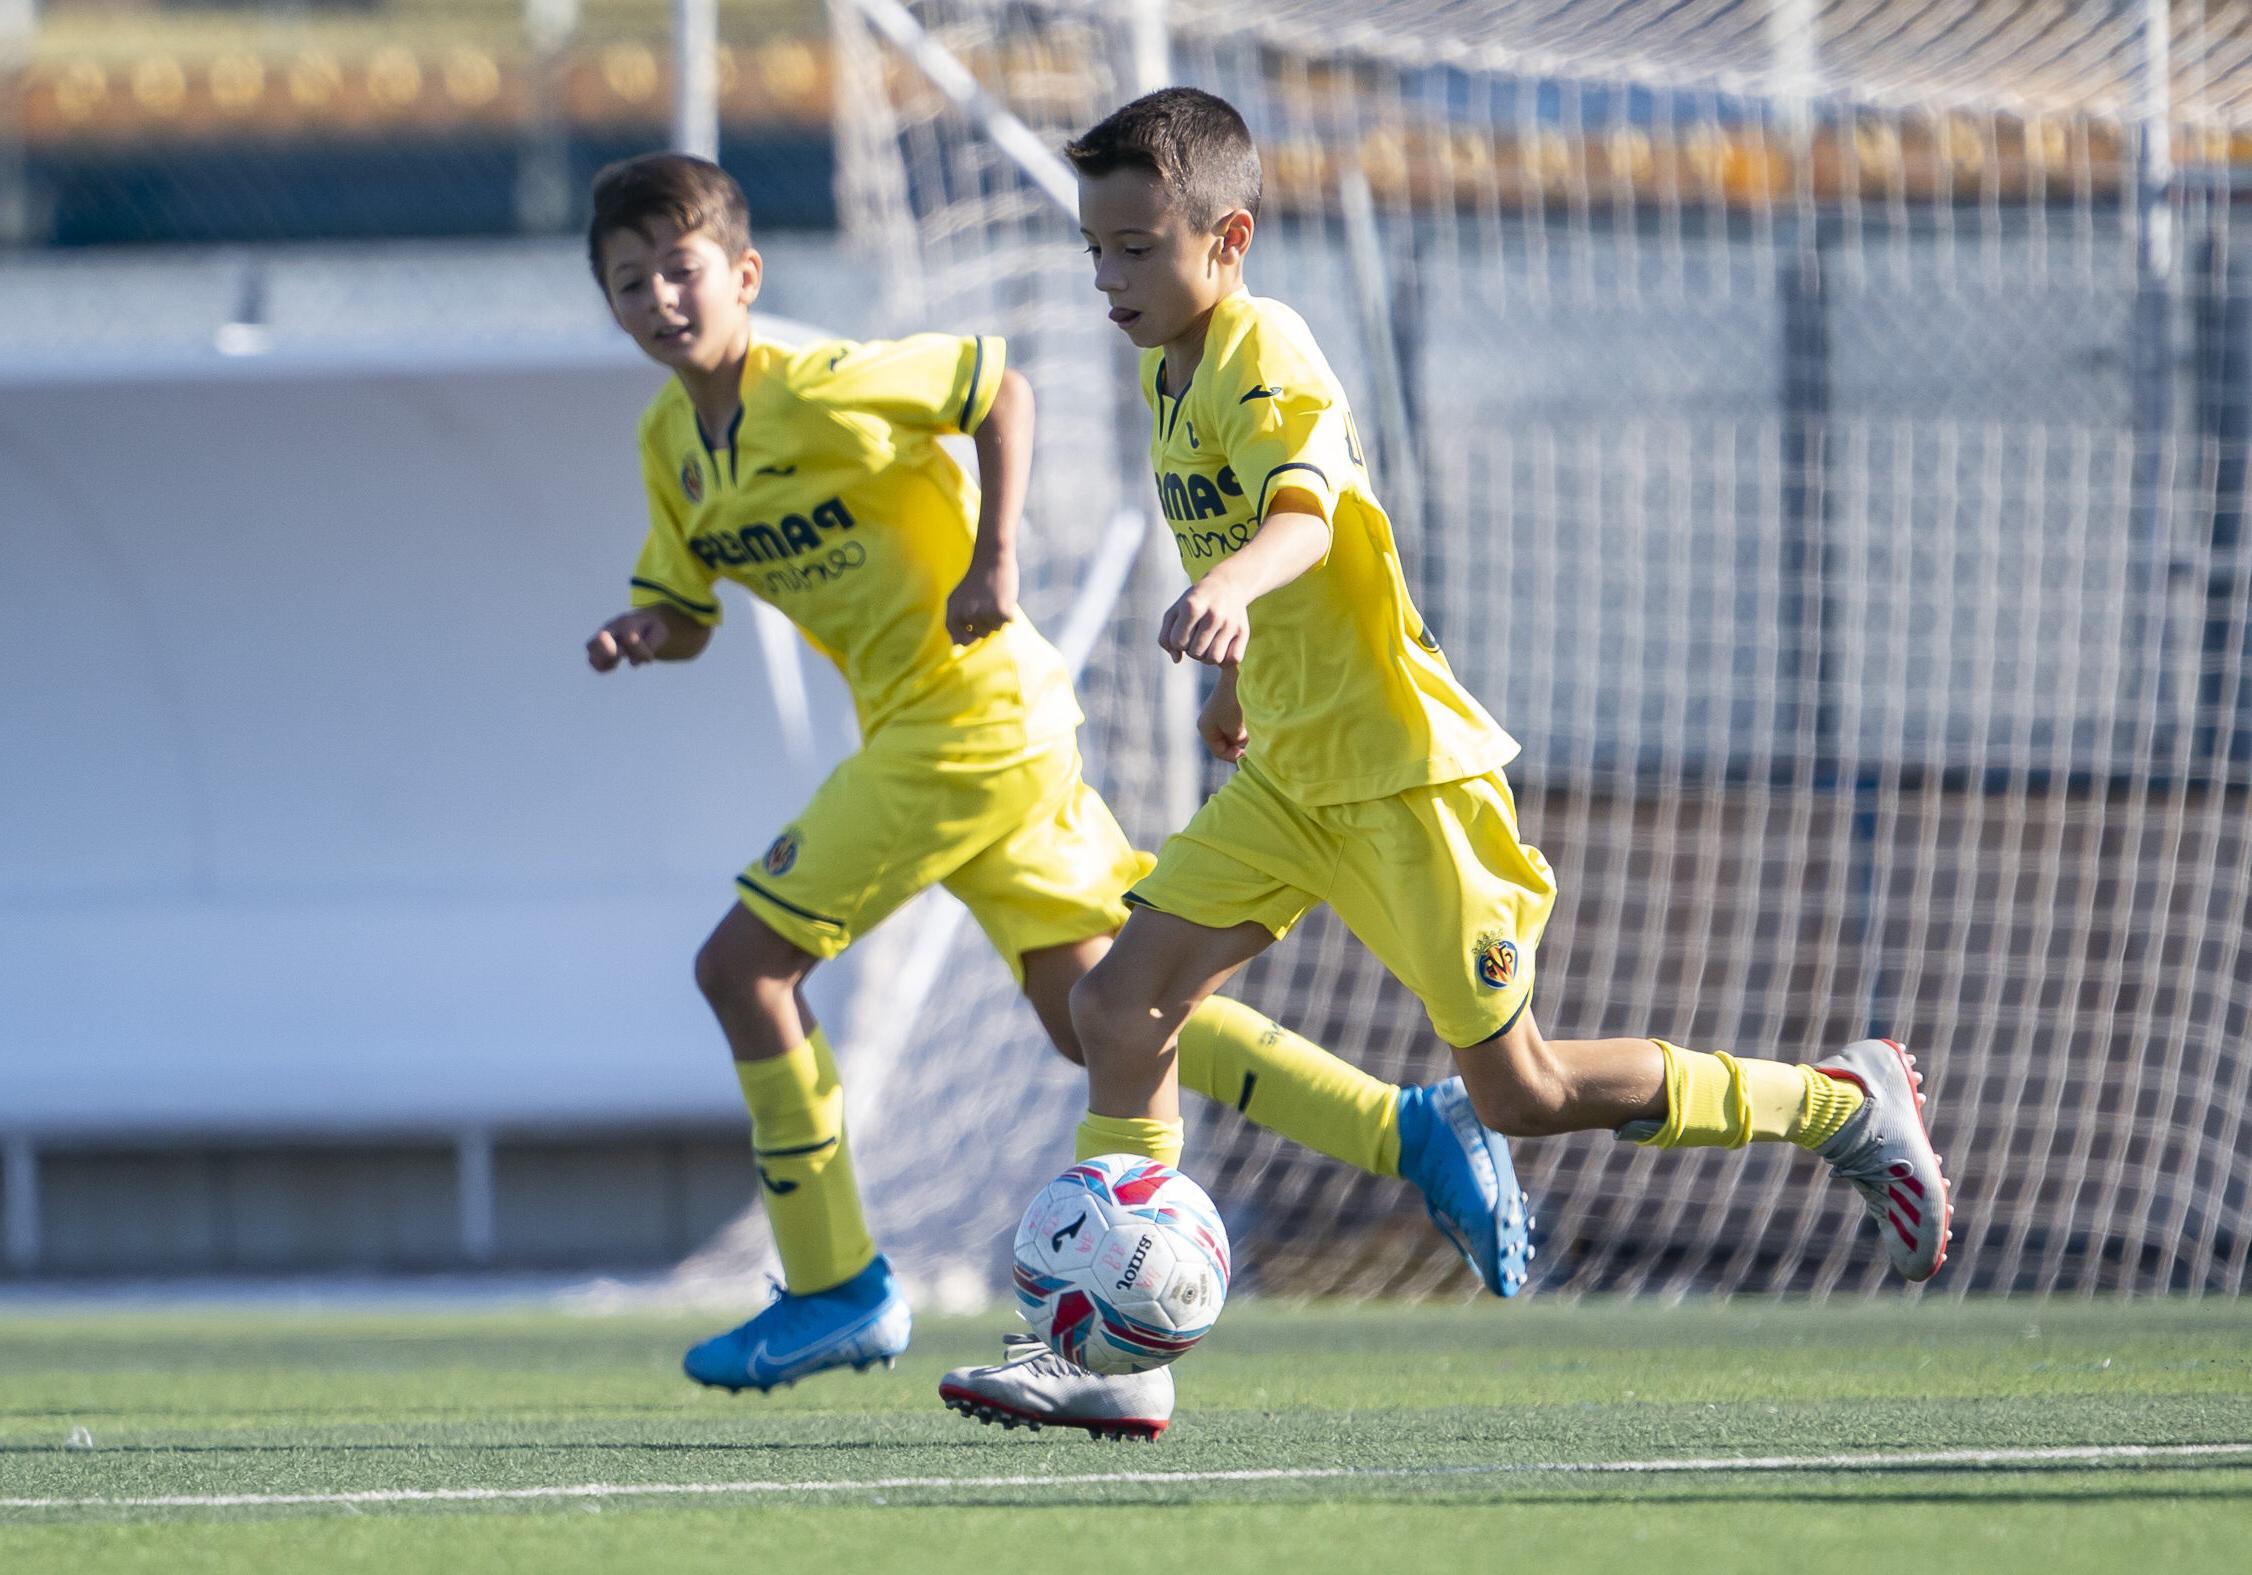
<point x="1220" y="723"/>
<point x="987" y="597"/>
<point x="1212" y="620"/>
<point x="647" y="634"/>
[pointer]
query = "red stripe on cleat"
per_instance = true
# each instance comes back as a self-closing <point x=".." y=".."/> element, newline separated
<point x="1901" y="1201"/>
<point x="1906" y="1235"/>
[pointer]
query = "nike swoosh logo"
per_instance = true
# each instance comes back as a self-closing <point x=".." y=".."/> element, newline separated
<point x="779" y="1361"/>
<point x="776" y="470"/>
<point x="1261" y="392"/>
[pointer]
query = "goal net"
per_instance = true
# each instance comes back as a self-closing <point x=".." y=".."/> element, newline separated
<point x="1819" y="434"/>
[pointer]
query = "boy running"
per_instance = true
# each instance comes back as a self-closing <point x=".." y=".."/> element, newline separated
<point x="814" y="478"/>
<point x="1368" y="777"/>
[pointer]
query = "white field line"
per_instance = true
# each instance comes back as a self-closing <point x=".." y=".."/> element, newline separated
<point x="1897" y="1460"/>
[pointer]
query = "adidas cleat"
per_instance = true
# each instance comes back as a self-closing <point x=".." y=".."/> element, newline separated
<point x="1035" y="1388"/>
<point x="859" y="1324"/>
<point x="1463" y="1170"/>
<point x="1885" y="1153"/>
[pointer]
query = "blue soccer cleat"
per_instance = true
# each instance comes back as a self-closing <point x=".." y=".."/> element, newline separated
<point x="1462" y="1169"/>
<point x="857" y="1324"/>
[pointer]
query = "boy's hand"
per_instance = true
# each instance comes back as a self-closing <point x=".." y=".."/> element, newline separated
<point x="634" y="637"/>
<point x="1220" y="723"/>
<point x="1210" y="623"/>
<point x="984" y="601"/>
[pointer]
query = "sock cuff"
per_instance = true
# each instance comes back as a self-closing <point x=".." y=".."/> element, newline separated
<point x="824" y="1058"/>
<point x="1668" y="1131"/>
<point x="1158" y="1140"/>
<point x="1220" y="1018"/>
<point x="782" y="1084"/>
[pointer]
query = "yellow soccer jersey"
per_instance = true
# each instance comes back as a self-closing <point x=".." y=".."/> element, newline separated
<point x="833" y="499"/>
<point x="1344" y="692"/>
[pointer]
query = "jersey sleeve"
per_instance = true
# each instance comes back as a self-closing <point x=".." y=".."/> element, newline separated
<point x="1283" y="427"/>
<point x="931" y="382"/>
<point x="668" y="573"/>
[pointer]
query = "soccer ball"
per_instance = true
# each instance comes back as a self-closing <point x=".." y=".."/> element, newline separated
<point x="1122" y="1264"/>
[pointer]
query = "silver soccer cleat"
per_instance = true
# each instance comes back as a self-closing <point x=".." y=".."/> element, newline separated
<point x="1033" y="1387"/>
<point x="1885" y="1153"/>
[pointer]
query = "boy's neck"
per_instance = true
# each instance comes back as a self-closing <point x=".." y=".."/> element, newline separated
<point x="717" y="396"/>
<point x="1184" y="354"/>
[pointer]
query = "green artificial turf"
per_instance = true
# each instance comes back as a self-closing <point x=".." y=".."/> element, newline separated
<point x="1361" y="1437"/>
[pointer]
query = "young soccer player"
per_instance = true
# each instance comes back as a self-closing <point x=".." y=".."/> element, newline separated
<point x="1367" y="776"/>
<point x="814" y="478"/>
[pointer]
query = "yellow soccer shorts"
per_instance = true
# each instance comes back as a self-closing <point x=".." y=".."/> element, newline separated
<point x="1014" y="832"/>
<point x="1435" y="881"/>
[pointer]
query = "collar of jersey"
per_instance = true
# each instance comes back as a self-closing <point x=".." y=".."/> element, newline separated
<point x="1217" y="334"/>
<point x="758" y="364"/>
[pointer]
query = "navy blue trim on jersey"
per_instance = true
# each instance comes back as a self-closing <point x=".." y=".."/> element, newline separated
<point x="977" y="371"/>
<point x="685" y="604"/>
<point x="1165" y="427"/>
<point x="806" y="914"/>
<point x="1513" y="1016"/>
<point x="1297" y="464"/>
<point x="733" y="427"/>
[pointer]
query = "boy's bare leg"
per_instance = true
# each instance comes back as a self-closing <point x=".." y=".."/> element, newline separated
<point x="752" y="979"/>
<point x="1128" y="1010"/>
<point x="1049" y="977"/>
<point x="1525" y="1085"/>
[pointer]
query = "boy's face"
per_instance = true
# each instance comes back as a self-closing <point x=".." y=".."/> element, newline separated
<point x="1162" y="273"/>
<point x="679" y="294"/>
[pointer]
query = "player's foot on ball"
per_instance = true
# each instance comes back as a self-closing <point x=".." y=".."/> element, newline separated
<point x="1885" y="1152"/>
<point x="857" y="1324"/>
<point x="1462" y="1168"/>
<point x="1033" y="1387"/>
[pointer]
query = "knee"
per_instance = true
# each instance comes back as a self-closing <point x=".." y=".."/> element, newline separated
<point x="737" y="973"/>
<point x="1053" y="1008"/>
<point x="1101" y="1019"/>
<point x="1066" y="1041"/>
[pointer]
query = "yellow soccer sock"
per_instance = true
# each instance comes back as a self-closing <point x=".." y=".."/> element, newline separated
<point x="1158" y="1140"/>
<point x="804" y="1166"/>
<point x="1718" y="1101"/>
<point x="1236" y="1056"/>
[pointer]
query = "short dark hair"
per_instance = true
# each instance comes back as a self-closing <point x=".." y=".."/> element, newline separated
<point x="692" y="193"/>
<point x="1193" y="141"/>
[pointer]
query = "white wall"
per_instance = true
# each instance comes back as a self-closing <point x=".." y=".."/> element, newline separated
<point x="311" y="813"/>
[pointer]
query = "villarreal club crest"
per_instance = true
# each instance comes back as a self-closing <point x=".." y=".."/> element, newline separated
<point x="1496" y="962"/>
<point x="781" y="854"/>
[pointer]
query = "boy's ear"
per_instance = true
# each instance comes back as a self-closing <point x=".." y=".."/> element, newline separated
<point x="750" y="272"/>
<point x="1235" y="235"/>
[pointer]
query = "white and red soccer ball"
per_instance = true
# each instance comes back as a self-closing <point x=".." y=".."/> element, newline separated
<point x="1121" y="1264"/>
